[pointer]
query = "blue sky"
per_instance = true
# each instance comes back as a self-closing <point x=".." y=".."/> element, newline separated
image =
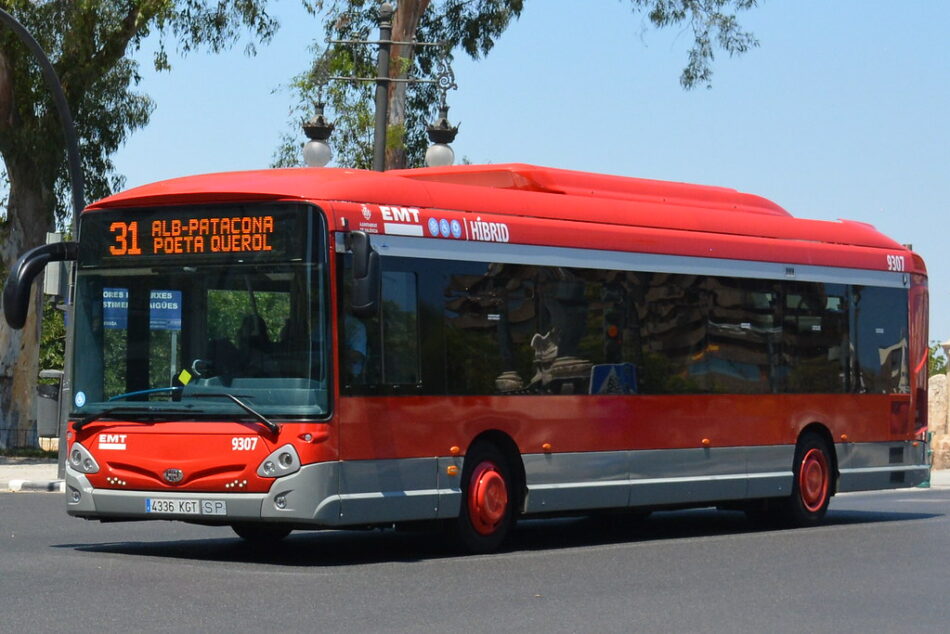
<point x="840" y="113"/>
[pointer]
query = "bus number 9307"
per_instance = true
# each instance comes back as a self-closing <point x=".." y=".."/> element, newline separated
<point x="243" y="443"/>
<point x="895" y="263"/>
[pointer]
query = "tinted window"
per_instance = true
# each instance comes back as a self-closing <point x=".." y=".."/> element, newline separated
<point x="517" y="330"/>
<point x="880" y="339"/>
<point x="378" y="352"/>
<point x="815" y="337"/>
<point x="672" y="314"/>
<point x="744" y="337"/>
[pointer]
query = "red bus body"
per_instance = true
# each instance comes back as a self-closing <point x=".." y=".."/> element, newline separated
<point x="396" y="452"/>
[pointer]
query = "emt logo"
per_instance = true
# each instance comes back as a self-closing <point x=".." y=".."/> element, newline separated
<point x="112" y="441"/>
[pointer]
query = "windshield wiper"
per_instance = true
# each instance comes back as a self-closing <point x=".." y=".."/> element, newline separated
<point x="124" y="410"/>
<point x="271" y="425"/>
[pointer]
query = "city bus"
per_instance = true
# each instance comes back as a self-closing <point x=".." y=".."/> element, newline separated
<point x="464" y="346"/>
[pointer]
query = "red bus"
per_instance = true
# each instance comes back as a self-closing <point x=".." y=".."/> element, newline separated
<point x="324" y="348"/>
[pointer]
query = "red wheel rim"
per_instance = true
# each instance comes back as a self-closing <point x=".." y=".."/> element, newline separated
<point x="813" y="480"/>
<point x="487" y="498"/>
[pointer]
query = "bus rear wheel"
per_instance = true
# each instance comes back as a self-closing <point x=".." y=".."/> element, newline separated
<point x="260" y="533"/>
<point x="487" y="511"/>
<point x="812" y="484"/>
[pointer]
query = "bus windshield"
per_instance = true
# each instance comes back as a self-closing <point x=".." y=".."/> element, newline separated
<point x="177" y="308"/>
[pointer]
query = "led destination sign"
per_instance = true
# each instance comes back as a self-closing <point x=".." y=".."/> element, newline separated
<point x="195" y="235"/>
<point x="260" y="232"/>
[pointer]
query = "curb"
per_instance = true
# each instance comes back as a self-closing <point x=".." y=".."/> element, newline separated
<point x="55" y="486"/>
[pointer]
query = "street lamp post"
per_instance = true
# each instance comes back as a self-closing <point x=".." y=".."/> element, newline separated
<point x="382" y="86"/>
<point x="317" y="151"/>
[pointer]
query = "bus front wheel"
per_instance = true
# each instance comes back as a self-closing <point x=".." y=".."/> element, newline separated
<point x="487" y="511"/>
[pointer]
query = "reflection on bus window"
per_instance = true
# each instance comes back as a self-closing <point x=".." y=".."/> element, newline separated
<point x="514" y="329"/>
<point x="382" y="351"/>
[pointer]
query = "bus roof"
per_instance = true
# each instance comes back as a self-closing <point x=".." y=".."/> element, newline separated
<point x="515" y="190"/>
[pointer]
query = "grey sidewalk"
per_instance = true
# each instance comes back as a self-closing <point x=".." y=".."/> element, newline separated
<point x="31" y="474"/>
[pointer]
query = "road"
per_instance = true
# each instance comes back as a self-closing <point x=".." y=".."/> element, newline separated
<point x="880" y="564"/>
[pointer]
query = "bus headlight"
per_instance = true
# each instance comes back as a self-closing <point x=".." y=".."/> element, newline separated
<point x="281" y="462"/>
<point x="81" y="460"/>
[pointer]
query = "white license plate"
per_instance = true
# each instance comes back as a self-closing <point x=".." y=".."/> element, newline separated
<point x="186" y="507"/>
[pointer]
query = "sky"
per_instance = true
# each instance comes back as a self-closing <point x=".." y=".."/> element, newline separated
<point x="841" y="112"/>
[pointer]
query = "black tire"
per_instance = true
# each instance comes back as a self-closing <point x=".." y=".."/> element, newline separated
<point x="812" y="483"/>
<point x="261" y="533"/>
<point x="488" y="499"/>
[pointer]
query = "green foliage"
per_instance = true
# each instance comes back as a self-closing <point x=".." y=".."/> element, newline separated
<point x="226" y="309"/>
<point x="89" y="42"/>
<point x="472" y="26"/>
<point x="937" y="361"/>
<point x="713" y="23"/>
<point x="52" y="338"/>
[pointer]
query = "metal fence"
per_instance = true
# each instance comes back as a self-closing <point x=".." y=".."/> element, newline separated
<point x="13" y="439"/>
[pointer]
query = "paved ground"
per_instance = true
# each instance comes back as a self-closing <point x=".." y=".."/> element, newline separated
<point x="877" y="564"/>
<point x="28" y="474"/>
<point x="32" y="474"/>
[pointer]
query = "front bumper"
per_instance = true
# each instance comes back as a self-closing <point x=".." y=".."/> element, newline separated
<point x="309" y="499"/>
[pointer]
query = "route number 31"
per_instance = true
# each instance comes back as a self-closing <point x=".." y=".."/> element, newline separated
<point x="126" y="238"/>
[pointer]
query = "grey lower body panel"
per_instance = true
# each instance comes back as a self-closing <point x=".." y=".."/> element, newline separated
<point x="873" y="466"/>
<point x="362" y="492"/>
<point x="616" y="479"/>
<point x="381" y="491"/>
<point x="643" y="478"/>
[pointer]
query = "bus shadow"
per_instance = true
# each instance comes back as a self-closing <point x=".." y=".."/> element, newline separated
<point x="345" y="548"/>
<point x="683" y="524"/>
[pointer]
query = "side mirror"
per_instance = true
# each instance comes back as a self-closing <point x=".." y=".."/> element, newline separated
<point x="364" y="298"/>
<point x="16" y="292"/>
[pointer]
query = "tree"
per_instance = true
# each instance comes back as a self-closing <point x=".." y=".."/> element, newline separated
<point x="89" y="43"/>
<point x="473" y="26"/>
<point x="937" y="361"/>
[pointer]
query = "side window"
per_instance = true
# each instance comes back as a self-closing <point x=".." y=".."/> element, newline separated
<point x="400" y="329"/>
<point x="569" y="339"/>
<point x="672" y="313"/>
<point x="815" y="337"/>
<point x="479" y="354"/>
<point x="521" y="330"/>
<point x="743" y="337"/>
<point x="880" y="340"/>
<point x="381" y="351"/>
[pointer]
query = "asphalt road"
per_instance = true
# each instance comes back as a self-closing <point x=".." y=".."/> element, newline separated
<point x="880" y="564"/>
